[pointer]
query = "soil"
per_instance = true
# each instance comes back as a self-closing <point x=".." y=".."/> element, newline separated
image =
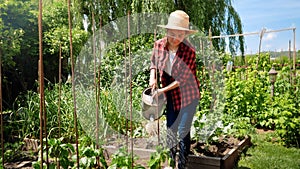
<point x="143" y="147"/>
<point x="215" y="149"/>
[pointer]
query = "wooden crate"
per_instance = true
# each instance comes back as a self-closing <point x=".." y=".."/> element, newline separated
<point x="227" y="162"/>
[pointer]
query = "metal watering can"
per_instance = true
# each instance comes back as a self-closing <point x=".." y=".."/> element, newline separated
<point x="152" y="106"/>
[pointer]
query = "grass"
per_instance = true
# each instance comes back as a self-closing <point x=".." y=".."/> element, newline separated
<point x="267" y="154"/>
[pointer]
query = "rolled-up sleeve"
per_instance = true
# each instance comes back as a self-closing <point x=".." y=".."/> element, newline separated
<point x="153" y="58"/>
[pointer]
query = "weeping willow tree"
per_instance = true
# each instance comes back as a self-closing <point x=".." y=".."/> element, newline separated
<point x="217" y="16"/>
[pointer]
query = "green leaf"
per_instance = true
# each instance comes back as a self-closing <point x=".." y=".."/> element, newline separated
<point x="114" y="166"/>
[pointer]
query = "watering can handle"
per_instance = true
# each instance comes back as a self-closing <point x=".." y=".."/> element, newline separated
<point x="153" y="89"/>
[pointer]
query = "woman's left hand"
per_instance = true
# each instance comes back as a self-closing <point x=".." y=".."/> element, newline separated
<point x="157" y="92"/>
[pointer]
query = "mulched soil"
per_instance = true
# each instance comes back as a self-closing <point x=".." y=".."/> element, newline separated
<point x="215" y="149"/>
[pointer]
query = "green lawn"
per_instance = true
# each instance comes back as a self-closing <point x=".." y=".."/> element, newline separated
<point x="264" y="154"/>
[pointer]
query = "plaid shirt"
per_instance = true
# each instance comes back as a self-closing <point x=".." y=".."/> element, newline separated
<point x="183" y="71"/>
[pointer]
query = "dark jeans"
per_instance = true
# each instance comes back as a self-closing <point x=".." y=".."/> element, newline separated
<point x="180" y="122"/>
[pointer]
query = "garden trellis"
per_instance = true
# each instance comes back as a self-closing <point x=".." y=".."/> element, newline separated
<point x="261" y="34"/>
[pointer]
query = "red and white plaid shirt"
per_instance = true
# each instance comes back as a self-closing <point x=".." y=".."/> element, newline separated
<point x="183" y="71"/>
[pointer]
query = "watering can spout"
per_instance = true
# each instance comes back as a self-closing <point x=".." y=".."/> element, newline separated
<point x="151" y="117"/>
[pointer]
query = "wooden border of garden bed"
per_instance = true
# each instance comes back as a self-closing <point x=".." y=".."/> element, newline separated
<point x="227" y="162"/>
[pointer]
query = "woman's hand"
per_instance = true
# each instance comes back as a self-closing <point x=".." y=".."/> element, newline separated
<point x="152" y="83"/>
<point x="157" y="93"/>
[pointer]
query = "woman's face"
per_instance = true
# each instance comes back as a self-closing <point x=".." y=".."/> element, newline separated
<point x="175" y="37"/>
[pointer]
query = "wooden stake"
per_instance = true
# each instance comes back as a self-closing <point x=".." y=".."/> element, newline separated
<point x="130" y="83"/>
<point x="73" y="82"/>
<point x="1" y="118"/>
<point x="41" y="79"/>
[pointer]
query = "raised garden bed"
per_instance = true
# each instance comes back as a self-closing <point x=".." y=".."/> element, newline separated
<point x="223" y="154"/>
<point x="226" y="161"/>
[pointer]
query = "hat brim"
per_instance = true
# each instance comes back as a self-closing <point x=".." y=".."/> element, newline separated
<point x="189" y="31"/>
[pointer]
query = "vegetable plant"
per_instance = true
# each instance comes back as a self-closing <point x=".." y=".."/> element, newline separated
<point x="159" y="157"/>
<point x="122" y="159"/>
<point x="60" y="152"/>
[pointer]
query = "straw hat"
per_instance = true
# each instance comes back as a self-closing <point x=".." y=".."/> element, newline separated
<point x="178" y="20"/>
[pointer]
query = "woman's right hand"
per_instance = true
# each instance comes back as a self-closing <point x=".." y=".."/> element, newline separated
<point x="152" y="83"/>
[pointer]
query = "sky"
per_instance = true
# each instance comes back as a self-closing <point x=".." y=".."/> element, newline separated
<point x="271" y="15"/>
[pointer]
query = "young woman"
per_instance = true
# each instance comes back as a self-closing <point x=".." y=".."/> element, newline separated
<point x="175" y="60"/>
